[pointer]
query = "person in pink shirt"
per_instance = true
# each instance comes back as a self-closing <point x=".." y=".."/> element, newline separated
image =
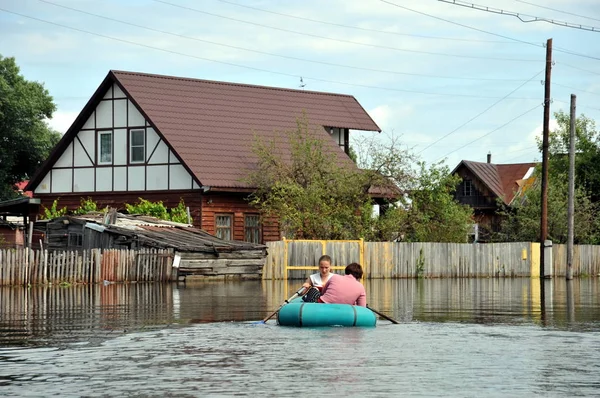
<point x="345" y="289"/>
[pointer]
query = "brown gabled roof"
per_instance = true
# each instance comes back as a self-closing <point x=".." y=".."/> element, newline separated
<point x="211" y="125"/>
<point x="501" y="179"/>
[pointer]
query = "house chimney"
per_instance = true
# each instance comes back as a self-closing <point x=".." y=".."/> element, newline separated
<point x="489" y="157"/>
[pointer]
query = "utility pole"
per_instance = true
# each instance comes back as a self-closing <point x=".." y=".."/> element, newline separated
<point x="545" y="144"/>
<point x="571" y="208"/>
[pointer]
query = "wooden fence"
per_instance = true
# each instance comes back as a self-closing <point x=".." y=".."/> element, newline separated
<point x="291" y="259"/>
<point x="26" y="266"/>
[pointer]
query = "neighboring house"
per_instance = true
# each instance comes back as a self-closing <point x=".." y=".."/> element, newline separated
<point x="484" y="183"/>
<point x="170" y="138"/>
<point x="20" y="187"/>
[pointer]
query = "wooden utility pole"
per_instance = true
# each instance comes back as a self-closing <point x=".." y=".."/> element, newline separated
<point x="571" y="208"/>
<point x="545" y="144"/>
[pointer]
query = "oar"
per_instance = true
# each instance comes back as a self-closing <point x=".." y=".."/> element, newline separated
<point x="299" y="292"/>
<point x="384" y="316"/>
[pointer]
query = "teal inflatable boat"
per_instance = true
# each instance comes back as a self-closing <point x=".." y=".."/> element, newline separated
<point x="298" y="313"/>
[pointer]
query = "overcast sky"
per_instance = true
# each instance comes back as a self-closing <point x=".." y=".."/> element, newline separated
<point x="454" y="82"/>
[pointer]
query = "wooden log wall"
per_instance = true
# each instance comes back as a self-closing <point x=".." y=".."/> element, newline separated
<point x="35" y="267"/>
<point x="246" y="264"/>
<point x="430" y="260"/>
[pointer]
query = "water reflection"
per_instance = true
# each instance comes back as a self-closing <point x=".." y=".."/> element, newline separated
<point x="59" y="315"/>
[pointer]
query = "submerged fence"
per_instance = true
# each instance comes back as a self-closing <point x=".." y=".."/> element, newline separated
<point x="27" y="266"/>
<point x="295" y="259"/>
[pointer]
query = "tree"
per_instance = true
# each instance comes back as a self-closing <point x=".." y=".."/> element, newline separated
<point x="26" y="139"/>
<point x="315" y="197"/>
<point x="312" y="196"/>
<point x="434" y="215"/>
<point x="522" y="218"/>
<point x="587" y="157"/>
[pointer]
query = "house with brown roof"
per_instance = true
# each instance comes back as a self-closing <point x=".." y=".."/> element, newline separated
<point x="484" y="183"/>
<point x="170" y="138"/>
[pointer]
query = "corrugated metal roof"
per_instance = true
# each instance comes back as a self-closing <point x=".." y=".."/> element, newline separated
<point x="211" y="125"/>
<point x="501" y="179"/>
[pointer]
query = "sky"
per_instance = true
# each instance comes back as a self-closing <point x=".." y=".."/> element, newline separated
<point x="450" y="82"/>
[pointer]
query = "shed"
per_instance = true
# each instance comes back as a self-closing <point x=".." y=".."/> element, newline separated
<point x="196" y="251"/>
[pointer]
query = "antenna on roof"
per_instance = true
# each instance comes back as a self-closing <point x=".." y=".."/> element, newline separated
<point x="302" y="84"/>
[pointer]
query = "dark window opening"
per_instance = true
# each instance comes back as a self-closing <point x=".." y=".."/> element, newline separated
<point x="252" y="228"/>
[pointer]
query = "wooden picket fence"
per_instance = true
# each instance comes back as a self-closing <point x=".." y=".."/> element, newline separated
<point x="296" y="259"/>
<point x="32" y="267"/>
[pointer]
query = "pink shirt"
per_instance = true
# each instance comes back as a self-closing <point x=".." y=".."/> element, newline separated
<point x="344" y="290"/>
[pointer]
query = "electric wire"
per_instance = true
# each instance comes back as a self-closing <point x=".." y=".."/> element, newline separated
<point x="297" y="76"/>
<point x="554" y="9"/>
<point x="480" y="113"/>
<point x="559" y="49"/>
<point x="278" y="55"/>
<point x="346" y="41"/>
<point x="361" y="28"/>
<point x="575" y="88"/>
<point x="521" y="16"/>
<point x="493" y="131"/>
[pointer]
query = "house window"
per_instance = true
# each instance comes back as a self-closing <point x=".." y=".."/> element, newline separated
<point x="223" y="226"/>
<point x="468" y="188"/>
<point x="105" y="147"/>
<point x="137" y="146"/>
<point x="75" y="239"/>
<point x="252" y="228"/>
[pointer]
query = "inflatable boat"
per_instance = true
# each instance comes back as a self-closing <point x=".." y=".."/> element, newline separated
<point x="298" y="313"/>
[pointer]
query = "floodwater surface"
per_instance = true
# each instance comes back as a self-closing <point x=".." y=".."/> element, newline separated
<point x="466" y="338"/>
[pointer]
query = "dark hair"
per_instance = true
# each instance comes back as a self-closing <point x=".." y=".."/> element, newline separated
<point x="324" y="257"/>
<point x="355" y="270"/>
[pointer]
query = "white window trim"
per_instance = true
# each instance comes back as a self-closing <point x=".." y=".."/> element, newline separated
<point x="137" y="146"/>
<point x="100" y="134"/>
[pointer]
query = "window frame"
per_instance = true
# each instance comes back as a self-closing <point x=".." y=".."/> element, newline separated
<point x="131" y="146"/>
<point x="102" y="133"/>
<point x="255" y="229"/>
<point x="468" y="188"/>
<point x="218" y="228"/>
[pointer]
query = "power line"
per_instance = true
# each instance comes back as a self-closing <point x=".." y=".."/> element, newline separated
<point x="521" y="16"/>
<point x="364" y="29"/>
<point x="493" y="131"/>
<point x="554" y="9"/>
<point x="487" y="32"/>
<point x="481" y="113"/>
<point x="578" y="68"/>
<point x="278" y="55"/>
<point x="580" y="90"/>
<point x="528" y="149"/>
<point x="343" y="40"/>
<point x="251" y="67"/>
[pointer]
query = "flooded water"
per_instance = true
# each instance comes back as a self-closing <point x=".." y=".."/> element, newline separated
<point x="467" y="338"/>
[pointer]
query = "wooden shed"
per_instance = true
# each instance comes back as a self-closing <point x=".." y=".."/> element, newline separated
<point x="196" y="252"/>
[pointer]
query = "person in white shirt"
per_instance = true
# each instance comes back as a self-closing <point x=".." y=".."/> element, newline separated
<point x="319" y="279"/>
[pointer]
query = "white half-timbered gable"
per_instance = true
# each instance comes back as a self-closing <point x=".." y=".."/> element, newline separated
<point x="116" y="150"/>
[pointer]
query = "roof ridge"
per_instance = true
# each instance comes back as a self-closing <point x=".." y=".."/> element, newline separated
<point x="219" y="82"/>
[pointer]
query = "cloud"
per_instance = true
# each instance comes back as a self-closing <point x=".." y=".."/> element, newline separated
<point x="61" y="121"/>
<point x="387" y="116"/>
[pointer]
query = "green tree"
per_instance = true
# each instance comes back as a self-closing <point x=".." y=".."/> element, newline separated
<point x="315" y="197"/>
<point x="26" y="139"/>
<point x="312" y="196"/>
<point x="434" y="215"/>
<point x="587" y="153"/>
<point x="522" y="218"/>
